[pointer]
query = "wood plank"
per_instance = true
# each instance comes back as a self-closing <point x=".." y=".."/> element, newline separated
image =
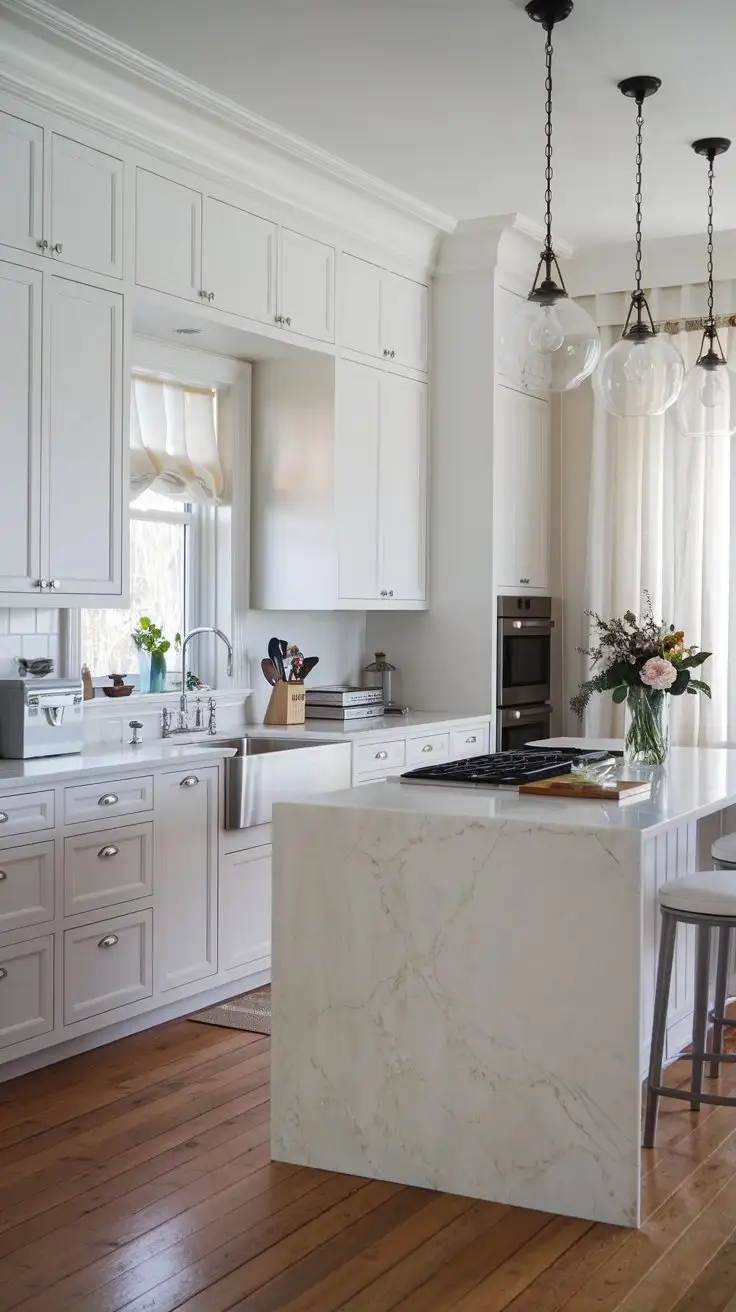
<point x="499" y="1289"/>
<point x="713" y="1290"/>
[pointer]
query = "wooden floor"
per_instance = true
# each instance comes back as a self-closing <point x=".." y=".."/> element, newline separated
<point x="138" y="1177"/>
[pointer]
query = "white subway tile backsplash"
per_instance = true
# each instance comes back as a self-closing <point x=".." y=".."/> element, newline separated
<point x="22" y="621"/>
<point x="47" y="621"/>
<point x="34" y="645"/>
<point x="4" y="621"/>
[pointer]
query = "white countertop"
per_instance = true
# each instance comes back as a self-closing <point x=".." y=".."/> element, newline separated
<point x="696" y="781"/>
<point x="383" y="726"/>
<point x="101" y="758"/>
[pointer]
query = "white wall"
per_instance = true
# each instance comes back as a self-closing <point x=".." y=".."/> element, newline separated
<point x="337" y="638"/>
<point x="27" y="632"/>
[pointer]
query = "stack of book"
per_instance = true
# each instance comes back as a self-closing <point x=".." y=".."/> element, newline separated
<point x="341" y="702"/>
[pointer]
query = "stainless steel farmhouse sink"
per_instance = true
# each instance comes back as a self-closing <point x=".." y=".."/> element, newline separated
<point x="268" y="770"/>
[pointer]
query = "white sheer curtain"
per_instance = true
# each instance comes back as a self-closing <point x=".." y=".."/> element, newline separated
<point x="173" y="441"/>
<point x="659" y="515"/>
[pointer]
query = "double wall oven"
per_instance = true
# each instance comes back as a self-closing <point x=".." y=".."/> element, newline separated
<point x="524" y="666"/>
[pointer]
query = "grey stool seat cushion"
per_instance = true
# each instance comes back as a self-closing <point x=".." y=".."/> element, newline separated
<point x="710" y="893"/>
<point x="724" y="849"/>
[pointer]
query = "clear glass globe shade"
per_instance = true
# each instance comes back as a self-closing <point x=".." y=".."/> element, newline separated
<point x="639" y="378"/>
<point x="550" y="347"/>
<point x="706" y="406"/>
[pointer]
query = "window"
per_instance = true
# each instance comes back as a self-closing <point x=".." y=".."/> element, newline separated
<point x="161" y="537"/>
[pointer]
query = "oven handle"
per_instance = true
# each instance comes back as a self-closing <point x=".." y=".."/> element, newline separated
<point x="523" y="714"/>
<point x="512" y="628"/>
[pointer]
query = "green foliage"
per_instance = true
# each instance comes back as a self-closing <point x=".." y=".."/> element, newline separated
<point x="149" y="637"/>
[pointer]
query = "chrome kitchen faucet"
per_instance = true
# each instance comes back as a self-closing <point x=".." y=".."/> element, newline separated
<point x="182" y="719"/>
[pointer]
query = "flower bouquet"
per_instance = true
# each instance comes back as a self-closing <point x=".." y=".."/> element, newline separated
<point x="643" y="661"/>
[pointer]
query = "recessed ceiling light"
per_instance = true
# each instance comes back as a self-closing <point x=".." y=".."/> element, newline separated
<point x="188" y="332"/>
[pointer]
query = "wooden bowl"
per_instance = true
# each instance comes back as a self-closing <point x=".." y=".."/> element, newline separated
<point x="120" y="690"/>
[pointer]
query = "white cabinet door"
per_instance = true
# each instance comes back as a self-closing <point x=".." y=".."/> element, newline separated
<point x="404" y="321"/>
<point x="107" y="965"/>
<point x="185" y="837"/>
<point x="357" y="429"/>
<point x="20" y="390"/>
<point x="359" y="323"/>
<point x="306" y="299"/>
<point x="239" y="260"/>
<point x="168" y="236"/>
<point x="85" y="225"/>
<point x="403" y="488"/>
<point x="81" y="520"/>
<point x="522" y="459"/>
<point x="245" y="907"/>
<point x="26" y="990"/>
<point x="21" y="183"/>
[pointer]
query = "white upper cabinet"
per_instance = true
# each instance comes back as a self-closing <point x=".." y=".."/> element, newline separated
<point x="21" y="184"/>
<point x="306" y="286"/>
<point x="85" y="224"/>
<point x="168" y="236"/>
<point x="239" y="261"/>
<point x="20" y="389"/>
<point x="522" y="462"/>
<point x="508" y="306"/>
<point x="382" y="314"/>
<point x="380" y="485"/>
<point x="81" y="531"/>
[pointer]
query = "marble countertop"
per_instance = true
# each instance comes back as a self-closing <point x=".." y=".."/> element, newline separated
<point x="696" y="781"/>
<point x="101" y="758"/>
<point x="383" y="726"/>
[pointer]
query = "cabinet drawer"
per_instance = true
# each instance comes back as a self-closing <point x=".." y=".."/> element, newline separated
<point x="109" y="866"/>
<point x="472" y="741"/>
<point x="425" y="751"/>
<point x="107" y="965"/>
<point x="26" y="990"/>
<point x="375" y="757"/>
<point x="26" y="886"/>
<point x="25" y="813"/>
<point x="107" y="800"/>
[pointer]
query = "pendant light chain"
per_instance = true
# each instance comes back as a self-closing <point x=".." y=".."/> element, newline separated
<point x="711" y="298"/>
<point x="548" y="51"/>
<point x="638" y="195"/>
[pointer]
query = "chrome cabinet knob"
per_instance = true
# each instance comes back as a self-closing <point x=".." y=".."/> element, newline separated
<point x="210" y="296"/>
<point x="42" y="245"/>
<point x="471" y="739"/>
<point x="3" y="875"/>
<point x="108" y="799"/>
<point x="386" y="352"/>
<point x="287" y="321"/>
<point x="189" y="782"/>
<point x="278" y="318"/>
<point x="517" y="715"/>
<point x="381" y="756"/>
<point x="54" y="583"/>
<point x="108" y="941"/>
<point x="202" y="293"/>
<point x="393" y="353"/>
<point x="108" y="851"/>
<point x="391" y="593"/>
<point x="3" y="973"/>
<point x="43" y="584"/>
<point x="428" y="747"/>
<point x="57" y="248"/>
<point x="4" y="817"/>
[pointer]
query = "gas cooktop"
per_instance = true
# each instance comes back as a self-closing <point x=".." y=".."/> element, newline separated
<point x="507" y="769"/>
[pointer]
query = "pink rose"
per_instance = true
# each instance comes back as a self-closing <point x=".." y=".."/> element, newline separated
<point x="658" y="673"/>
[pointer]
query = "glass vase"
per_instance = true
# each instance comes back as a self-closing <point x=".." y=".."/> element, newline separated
<point x="157" y="680"/>
<point x="647" y="727"/>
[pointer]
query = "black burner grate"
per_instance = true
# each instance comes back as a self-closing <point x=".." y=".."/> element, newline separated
<point x="506" y="769"/>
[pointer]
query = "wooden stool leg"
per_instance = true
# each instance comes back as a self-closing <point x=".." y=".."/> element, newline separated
<point x="719" y="1005"/>
<point x="659" y="1026"/>
<point x="700" y="1012"/>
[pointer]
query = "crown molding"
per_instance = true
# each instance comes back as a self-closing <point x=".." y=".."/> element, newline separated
<point x="508" y="241"/>
<point x="131" y="62"/>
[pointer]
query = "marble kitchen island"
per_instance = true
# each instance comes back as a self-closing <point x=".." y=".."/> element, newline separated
<point x="463" y="982"/>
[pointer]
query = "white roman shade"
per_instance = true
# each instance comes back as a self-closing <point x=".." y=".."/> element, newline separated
<point x="173" y="442"/>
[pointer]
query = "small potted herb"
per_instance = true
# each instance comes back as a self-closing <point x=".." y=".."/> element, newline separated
<point x="152" y="647"/>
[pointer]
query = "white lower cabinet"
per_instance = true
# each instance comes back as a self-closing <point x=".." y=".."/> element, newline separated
<point x="26" y="886"/>
<point x="186" y="830"/>
<point x="26" y="990"/>
<point x="103" y="869"/>
<point x="245" y="907"/>
<point x="107" y="965"/>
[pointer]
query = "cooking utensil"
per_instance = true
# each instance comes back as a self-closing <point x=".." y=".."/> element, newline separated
<point x="309" y="665"/>
<point x="277" y="656"/>
<point x="269" y="671"/>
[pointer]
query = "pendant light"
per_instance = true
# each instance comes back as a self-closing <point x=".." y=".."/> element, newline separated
<point x="555" y="341"/>
<point x="642" y="373"/>
<point x="706" y="406"/>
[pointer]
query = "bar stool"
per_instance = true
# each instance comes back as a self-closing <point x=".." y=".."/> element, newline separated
<point x="723" y="852"/>
<point x="708" y="901"/>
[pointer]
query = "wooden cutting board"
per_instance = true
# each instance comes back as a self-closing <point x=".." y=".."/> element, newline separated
<point x="564" y="785"/>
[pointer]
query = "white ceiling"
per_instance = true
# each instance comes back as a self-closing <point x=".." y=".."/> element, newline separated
<point x="444" y="98"/>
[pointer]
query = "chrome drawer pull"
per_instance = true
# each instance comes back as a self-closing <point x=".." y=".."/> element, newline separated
<point x="3" y="973"/>
<point x="108" y="941"/>
<point x="189" y="782"/>
<point x="108" y="851"/>
<point x="108" y="799"/>
<point x="3" y="875"/>
<point x="471" y="739"/>
<point x="381" y="756"/>
<point x="4" y="817"/>
<point x="428" y="747"/>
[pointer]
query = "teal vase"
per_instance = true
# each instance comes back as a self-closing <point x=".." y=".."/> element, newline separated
<point x="157" y="680"/>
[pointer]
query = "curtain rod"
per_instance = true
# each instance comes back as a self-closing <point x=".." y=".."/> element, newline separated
<point x="694" y="325"/>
